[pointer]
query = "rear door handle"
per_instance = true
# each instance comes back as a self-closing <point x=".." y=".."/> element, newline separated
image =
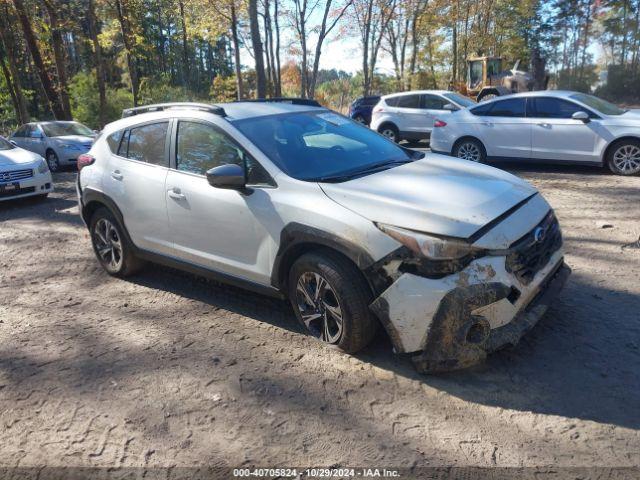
<point x="117" y="175"/>
<point x="175" y="193"/>
<point x="487" y="124"/>
<point x="544" y="125"/>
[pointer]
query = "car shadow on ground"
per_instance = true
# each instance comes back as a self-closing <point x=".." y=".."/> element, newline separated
<point x="54" y="208"/>
<point x="578" y="362"/>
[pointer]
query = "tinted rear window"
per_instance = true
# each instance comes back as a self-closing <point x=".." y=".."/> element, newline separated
<point x="145" y="143"/>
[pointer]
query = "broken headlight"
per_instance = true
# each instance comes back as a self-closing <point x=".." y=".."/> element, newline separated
<point x="435" y="248"/>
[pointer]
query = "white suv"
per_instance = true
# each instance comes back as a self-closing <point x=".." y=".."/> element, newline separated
<point x="546" y="126"/>
<point x="454" y="259"/>
<point x="411" y="115"/>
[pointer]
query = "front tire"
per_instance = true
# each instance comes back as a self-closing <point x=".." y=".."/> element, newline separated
<point x="331" y="300"/>
<point x="470" y="149"/>
<point x="624" y="158"/>
<point x="53" y="161"/>
<point x="110" y="244"/>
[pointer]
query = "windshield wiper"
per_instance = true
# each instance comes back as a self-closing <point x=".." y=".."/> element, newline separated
<point x="367" y="170"/>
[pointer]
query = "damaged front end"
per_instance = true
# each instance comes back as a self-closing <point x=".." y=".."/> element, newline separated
<point x="451" y="312"/>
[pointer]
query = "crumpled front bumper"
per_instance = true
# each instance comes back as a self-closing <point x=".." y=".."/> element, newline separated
<point x="454" y="349"/>
<point x="454" y="322"/>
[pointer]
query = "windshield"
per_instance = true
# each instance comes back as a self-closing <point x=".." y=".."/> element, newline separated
<point x="598" y="104"/>
<point x="60" y="129"/>
<point x="459" y="99"/>
<point x="313" y="146"/>
<point x="5" y="144"/>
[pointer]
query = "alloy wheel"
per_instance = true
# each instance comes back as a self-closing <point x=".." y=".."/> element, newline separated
<point x="469" y="151"/>
<point x="319" y="307"/>
<point x="52" y="161"/>
<point x="108" y="244"/>
<point x="389" y="133"/>
<point x="626" y="159"/>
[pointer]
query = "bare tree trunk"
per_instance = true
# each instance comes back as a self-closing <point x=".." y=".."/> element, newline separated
<point x="59" y="57"/>
<point x="47" y="84"/>
<point x="261" y="81"/>
<point x="128" y="46"/>
<point x="7" y="43"/>
<point x="278" y="82"/>
<point x="322" y="34"/>
<point x="236" y="50"/>
<point x="185" y="46"/>
<point x="97" y="52"/>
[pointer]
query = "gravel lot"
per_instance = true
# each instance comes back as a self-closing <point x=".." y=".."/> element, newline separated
<point x="168" y="369"/>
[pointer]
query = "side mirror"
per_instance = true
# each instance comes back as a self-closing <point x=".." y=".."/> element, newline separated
<point x="12" y="142"/>
<point x="230" y="176"/>
<point x="582" y="116"/>
<point x="450" y="106"/>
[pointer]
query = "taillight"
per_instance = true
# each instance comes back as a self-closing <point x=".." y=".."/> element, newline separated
<point x="439" y="124"/>
<point x="378" y="110"/>
<point x="85" y="160"/>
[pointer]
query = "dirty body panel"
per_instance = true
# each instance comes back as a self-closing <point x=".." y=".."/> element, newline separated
<point x="454" y="318"/>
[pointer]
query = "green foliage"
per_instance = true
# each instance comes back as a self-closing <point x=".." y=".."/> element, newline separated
<point x="579" y="81"/>
<point x="223" y="89"/>
<point x="160" y="90"/>
<point x="622" y="85"/>
<point x="85" y="100"/>
<point x="8" y="121"/>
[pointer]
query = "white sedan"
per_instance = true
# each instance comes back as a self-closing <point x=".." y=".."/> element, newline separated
<point x="22" y="173"/>
<point x="546" y="126"/>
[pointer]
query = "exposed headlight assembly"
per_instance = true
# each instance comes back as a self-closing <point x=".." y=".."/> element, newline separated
<point x="435" y="248"/>
<point x="432" y="256"/>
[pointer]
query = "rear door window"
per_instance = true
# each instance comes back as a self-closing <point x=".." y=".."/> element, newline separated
<point x="511" y="107"/>
<point x="409" y="101"/>
<point x="146" y="143"/>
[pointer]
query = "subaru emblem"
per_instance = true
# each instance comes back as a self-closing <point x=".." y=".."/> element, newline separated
<point x="539" y="234"/>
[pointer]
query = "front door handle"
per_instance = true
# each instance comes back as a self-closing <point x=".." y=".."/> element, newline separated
<point x="487" y="124"/>
<point x="117" y="175"/>
<point x="544" y="125"/>
<point x="175" y="193"/>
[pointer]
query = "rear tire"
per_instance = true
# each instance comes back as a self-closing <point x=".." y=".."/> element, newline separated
<point x="390" y="131"/>
<point x="360" y="119"/>
<point x="623" y="157"/>
<point x="470" y="149"/>
<point x="331" y="300"/>
<point x="111" y="246"/>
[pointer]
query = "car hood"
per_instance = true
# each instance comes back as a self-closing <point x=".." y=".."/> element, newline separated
<point x="17" y="156"/>
<point x="633" y="113"/>
<point x="438" y="194"/>
<point x="81" y="139"/>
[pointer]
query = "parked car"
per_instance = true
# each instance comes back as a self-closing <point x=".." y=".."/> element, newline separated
<point x="360" y="109"/>
<point x="546" y="126"/>
<point x="454" y="259"/>
<point x="22" y="173"/>
<point x="410" y="115"/>
<point x="59" y="142"/>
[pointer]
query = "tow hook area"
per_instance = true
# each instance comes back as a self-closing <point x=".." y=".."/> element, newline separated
<point x="458" y="339"/>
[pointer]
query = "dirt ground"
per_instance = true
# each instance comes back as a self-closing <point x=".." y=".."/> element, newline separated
<point x="167" y="369"/>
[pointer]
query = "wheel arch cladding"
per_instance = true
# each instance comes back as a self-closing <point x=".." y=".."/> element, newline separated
<point x="297" y="239"/>
<point x="93" y="200"/>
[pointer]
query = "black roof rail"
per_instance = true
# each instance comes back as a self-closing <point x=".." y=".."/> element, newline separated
<point x="309" y="102"/>
<point x="130" y="112"/>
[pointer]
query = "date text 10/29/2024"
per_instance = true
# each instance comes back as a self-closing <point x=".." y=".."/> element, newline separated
<point x="315" y="473"/>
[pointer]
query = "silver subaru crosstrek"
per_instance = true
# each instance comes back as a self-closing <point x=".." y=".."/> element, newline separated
<point x="287" y="198"/>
